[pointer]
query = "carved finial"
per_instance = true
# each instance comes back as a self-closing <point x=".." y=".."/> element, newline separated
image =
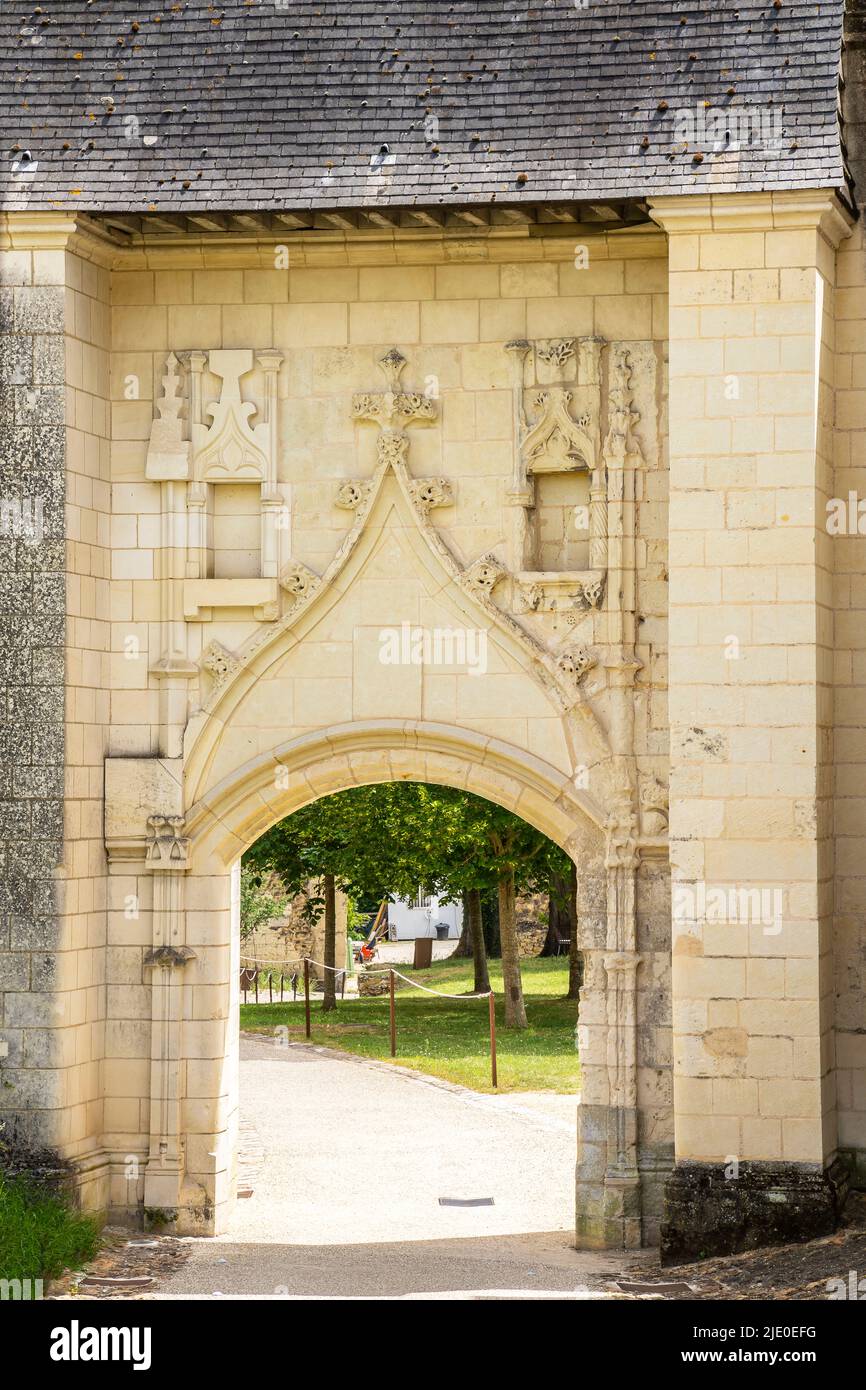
<point x="170" y="402"/>
<point x="392" y="410"/>
<point x="392" y="365"/>
<point x="167" y="451"/>
<point x="621" y="414"/>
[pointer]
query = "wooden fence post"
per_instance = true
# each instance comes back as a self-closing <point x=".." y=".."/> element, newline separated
<point x="393" y="1014"/>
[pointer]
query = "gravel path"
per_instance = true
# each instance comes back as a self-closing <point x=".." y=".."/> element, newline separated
<point x="355" y="1151"/>
<point x="347" y="1160"/>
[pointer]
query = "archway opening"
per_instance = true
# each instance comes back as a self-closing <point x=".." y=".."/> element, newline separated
<point x="374" y="923"/>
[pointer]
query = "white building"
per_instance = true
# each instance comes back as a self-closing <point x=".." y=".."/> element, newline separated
<point x="423" y="915"/>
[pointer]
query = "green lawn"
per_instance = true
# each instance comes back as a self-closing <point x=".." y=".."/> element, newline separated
<point x="448" y="1038"/>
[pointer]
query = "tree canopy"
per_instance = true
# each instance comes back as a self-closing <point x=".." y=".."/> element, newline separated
<point x="396" y="837"/>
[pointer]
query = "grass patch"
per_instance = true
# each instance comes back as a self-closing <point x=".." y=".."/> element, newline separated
<point x="40" y="1235"/>
<point x="450" y="1039"/>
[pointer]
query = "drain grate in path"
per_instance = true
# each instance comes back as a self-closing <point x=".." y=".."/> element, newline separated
<point x="466" y="1201"/>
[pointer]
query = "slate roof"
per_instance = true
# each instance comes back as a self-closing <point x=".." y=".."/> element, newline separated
<point x="262" y="104"/>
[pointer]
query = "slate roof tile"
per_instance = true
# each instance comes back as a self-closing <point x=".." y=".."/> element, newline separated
<point x="293" y="100"/>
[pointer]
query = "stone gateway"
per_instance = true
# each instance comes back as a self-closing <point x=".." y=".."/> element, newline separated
<point x="380" y="402"/>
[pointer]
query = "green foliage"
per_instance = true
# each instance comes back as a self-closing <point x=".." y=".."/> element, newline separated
<point x="397" y="837"/>
<point x="40" y="1235"/>
<point x="260" y="901"/>
<point x="357" y="922"/>
<point x="448" y="1037"/>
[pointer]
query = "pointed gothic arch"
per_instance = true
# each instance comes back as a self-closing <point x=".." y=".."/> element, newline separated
<point x="306" y="707"/>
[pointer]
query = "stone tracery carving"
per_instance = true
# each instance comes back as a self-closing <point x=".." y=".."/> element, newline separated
<point x="557" y="352"/>
<point x="593" y="591"/>
<point x="555" y="440"/>
<point x="167" y="846"/>
<point x="230" y="448"/>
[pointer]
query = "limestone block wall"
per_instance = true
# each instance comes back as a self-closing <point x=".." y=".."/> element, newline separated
<point x="846" y="524"/>
<point x="332" y="316"/>
<point x="104" y="1055"/>
<point x="752" y="338"/>
<point x="450" y="306"/>
<point x="88" y="675"/>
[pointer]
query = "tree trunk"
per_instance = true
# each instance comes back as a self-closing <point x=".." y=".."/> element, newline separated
<point x="329" y="995"/>
<point x="515" y="1013"/>
<point x="464" y="945"/>
<point x="558" y="917"/>
<point x="476" y="936"/>
<point x="575" y="955"/>
<point x="490" y="921"/>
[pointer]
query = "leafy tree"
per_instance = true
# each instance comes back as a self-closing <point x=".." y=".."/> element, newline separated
<point x="397" y="837"/>
<point x="259" y="904"/>
<point x="309" y="852"/>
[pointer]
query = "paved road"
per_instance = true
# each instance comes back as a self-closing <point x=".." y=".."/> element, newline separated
<point x="347" y="1161"/>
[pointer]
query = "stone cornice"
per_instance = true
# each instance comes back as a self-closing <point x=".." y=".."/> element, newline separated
<point x="818" y="208"/>
<point x="39" y="231"/>
<point x="323" y="249"/>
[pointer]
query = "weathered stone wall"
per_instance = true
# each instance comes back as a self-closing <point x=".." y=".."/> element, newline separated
<point x="34" y="1054"/>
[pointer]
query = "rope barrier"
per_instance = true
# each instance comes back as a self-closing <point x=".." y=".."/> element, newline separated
<point x="247" y="963"/>
<point x="440" y="994"/>
<point x="284" y="965"/>
<point x="392" y="975"/>
<point x="387" y="970"/>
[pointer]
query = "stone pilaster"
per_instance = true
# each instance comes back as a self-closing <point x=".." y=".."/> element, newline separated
<point x="164" y="1181"/>
<point x="751" y="298"/>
